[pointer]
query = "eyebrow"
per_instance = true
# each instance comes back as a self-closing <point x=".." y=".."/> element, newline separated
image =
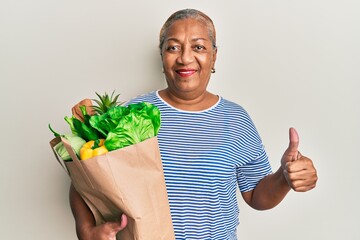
<point x="192" y="40"/>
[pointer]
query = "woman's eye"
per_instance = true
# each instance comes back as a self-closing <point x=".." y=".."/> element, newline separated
<point x="172" y="48"/>
<point x="199" y="47"/>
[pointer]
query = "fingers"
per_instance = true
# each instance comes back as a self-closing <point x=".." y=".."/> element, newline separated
<point x="302" y="163"/>
<point x="123" y="223"/>
<point x="119" y="225"/>
<point x="300" y="186"/>
<point x="106" y="231"/>
<point x="301" y="174"/>
<point x="76" y="109"/>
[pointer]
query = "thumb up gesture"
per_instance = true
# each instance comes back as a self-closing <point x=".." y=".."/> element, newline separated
<point x="298" y="170"/>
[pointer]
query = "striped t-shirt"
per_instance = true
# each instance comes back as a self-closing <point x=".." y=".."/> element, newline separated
<point x="205" y="154"/>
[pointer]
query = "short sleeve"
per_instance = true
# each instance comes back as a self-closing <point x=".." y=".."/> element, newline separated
<point x="250" y="174"/>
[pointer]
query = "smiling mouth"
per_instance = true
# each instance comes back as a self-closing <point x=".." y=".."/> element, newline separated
<point x="185" y="72"/>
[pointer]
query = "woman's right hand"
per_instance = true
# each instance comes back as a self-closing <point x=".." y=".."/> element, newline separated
<point x="86" y="228"/>
<point x="106" y="231"/>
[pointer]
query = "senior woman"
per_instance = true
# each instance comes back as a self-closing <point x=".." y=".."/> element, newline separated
<point x="208" y="145"/>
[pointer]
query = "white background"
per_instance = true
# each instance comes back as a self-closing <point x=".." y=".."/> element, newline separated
<point x="289" y="63"/>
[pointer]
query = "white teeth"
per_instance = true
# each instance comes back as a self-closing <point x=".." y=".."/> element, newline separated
<point x="186" y="72"/>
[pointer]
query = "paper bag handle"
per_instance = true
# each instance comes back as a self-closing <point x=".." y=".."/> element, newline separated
<point x="53" y="143"/>
<point x="76" y="161"/>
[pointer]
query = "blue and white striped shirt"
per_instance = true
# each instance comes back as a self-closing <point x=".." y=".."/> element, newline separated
<point x="205" y="154"/>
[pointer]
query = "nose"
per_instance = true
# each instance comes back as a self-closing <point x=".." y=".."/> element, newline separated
<point x="186" y="56"/>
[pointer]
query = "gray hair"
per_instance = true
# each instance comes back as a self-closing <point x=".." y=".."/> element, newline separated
<point x="185" y="14"/>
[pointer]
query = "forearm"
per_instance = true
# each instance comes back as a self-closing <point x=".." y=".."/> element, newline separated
<point x="84" y="218"/>
<point x="269" y="192"/>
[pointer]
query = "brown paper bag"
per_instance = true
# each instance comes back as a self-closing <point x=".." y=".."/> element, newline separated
<point x="128" y="180"/>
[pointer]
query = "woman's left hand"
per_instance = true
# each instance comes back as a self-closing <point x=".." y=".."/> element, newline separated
<point x="298" y="170"/>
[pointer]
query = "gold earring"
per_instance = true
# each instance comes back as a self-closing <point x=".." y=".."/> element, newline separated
<point x="213" y="70"/>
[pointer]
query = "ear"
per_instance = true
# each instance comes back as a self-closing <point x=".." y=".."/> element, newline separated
<point x="214" y="56"/>
<point x="162" y="59"/>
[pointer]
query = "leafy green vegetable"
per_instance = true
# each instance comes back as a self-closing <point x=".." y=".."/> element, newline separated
<point x="84" y="129"/>
<point x="132" y="129"/>
<point x="75" y="141"/>
<point x="129" y="125"/>
<point x="106" y="122"/>
<point x="71" y="124"/>
<point x="154" y="114"/>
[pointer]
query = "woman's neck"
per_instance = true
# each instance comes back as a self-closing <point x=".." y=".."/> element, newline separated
<point x="188" y="102"/>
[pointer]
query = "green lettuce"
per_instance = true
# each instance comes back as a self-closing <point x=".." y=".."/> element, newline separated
<point x="125" y="126"/>
<point x="109" y="120"/>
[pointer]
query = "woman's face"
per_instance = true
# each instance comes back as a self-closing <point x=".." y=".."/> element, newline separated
<point x="188" y="57"/>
